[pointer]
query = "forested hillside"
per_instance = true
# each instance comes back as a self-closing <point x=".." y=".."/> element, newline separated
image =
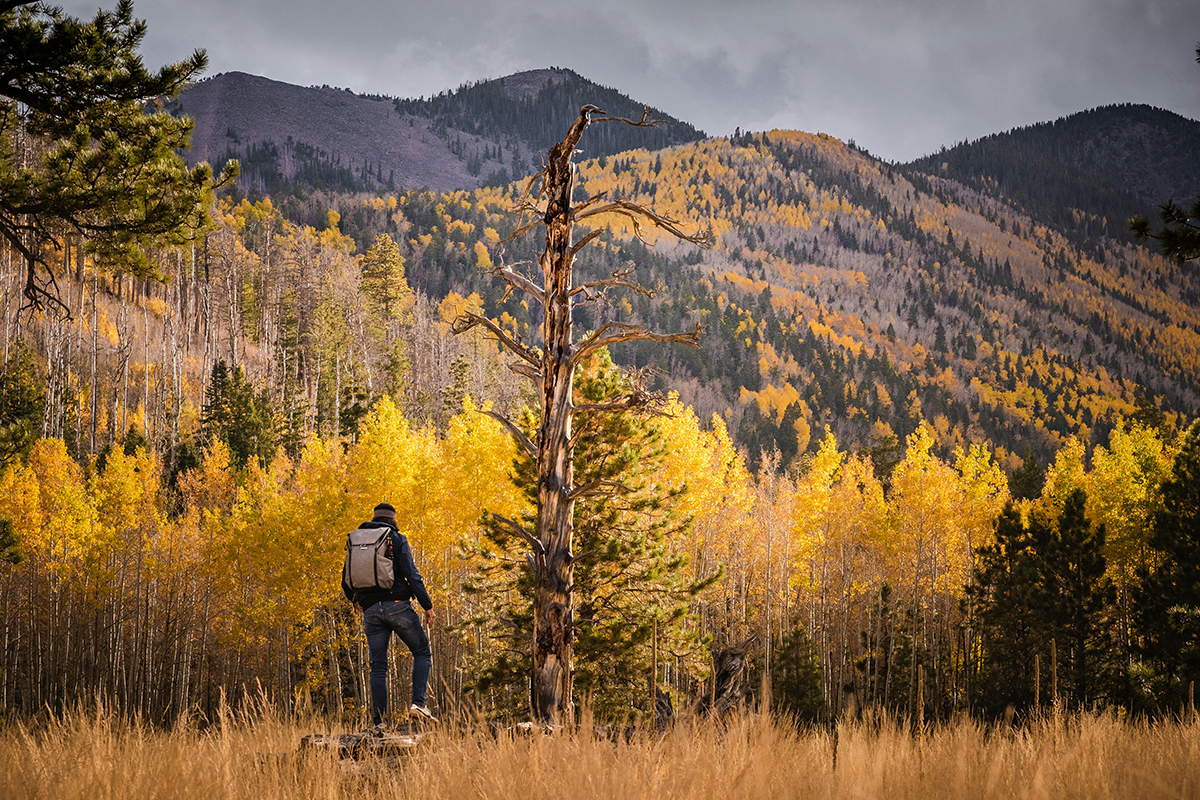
<point x="842" y="292"/>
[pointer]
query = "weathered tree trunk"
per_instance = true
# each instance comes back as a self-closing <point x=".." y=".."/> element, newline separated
<point x="552" y="561"/>
<point x="553" y="658"/>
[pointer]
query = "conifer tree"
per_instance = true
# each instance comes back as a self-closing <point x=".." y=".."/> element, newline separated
<point x="80" y="152"/>
<point x="1080" y="602"/>
<point x="1040" y="583"/>
<point x="1180" y="232"/>
<point x="383" y="276"/>
<point x="235" y="415"/>
<point x="796" y="677"/>
<point x="1168" y="602"/>
<point x="1027" y="480"/>
<point x="631" y="585"/>
<point x="21" y="405"/>
<point x="10" y="542"/>
<point x="1011" y="600"/>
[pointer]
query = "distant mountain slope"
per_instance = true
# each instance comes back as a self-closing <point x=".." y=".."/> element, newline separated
<point x="285" y="133"/>
<point x="537" y="106"/>
<point x="332" y="138"/>
<point x="1109" y="163"/>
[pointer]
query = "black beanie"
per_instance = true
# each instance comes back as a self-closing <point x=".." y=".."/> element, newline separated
<point x="384" y="512"/>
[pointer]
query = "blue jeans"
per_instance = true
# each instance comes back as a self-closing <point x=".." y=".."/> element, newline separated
<point x="380" y="621"/>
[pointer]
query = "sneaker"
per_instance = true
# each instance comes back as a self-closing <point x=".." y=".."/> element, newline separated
<point x="421" y="712"/>
<point x="379" y="730"/>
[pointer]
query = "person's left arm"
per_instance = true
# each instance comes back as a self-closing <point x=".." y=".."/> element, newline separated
<point x="407" y="568"/>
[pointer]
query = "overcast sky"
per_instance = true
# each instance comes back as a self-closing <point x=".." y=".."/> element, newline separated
<point x="901" y="77"/>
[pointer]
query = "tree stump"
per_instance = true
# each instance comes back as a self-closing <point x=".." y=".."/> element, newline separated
<point x="727" y="688"/>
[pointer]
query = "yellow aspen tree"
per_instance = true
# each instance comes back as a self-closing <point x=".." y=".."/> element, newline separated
<point x="933" y="562"/>
<point x="1063" y="477"/>
<point x="1123" y="492"/>
<point x="64" y="528"/>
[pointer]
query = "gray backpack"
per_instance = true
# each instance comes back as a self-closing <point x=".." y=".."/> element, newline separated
<point x="369" y="559"/>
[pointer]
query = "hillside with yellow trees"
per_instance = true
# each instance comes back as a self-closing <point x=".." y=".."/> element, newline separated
<point x="888" y="355"/>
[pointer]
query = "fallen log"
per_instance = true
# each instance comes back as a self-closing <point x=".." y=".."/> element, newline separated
<point x="364" y="745"/>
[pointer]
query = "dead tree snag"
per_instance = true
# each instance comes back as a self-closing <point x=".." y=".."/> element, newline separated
<point x="553" y="367"/>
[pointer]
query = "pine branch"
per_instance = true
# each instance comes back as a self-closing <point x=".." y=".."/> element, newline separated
<point x="598" y="487"/>
<point x="538" y="548"/>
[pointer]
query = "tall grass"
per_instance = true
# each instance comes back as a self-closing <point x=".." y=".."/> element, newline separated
<point x="255" y="756"/>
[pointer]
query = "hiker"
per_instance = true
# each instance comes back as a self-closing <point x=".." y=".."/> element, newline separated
<point x="381" y="578"/>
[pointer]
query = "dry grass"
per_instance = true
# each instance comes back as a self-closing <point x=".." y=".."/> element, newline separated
<point x="255" y="757"/>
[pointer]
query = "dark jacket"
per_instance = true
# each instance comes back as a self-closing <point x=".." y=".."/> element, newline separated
<point x="408" y="584"/>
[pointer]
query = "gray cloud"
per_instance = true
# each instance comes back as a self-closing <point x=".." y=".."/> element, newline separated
<point x="902" y="77"/>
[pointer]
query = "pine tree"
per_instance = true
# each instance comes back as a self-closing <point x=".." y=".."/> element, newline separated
<point x="383" y="276"/>
<point x="80" y="151"/>
<point x="235" y="415"/>
<point x="21" y="405"/>
<point x="1180" y="232"/>
<point x="1037" y="584"/>
<point x="1168" y="602"/>
<point x="796" y="677"/>
<point x="630" y="583"/>
<point x="1027" y="480"/>
<point x="10" y="542"/>
<point x="1081" y="601"/>
<point x="1010" y="595"/>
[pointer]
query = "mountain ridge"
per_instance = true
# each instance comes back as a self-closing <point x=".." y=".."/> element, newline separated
<point x="322" y="137"/>
<point x="1112" y="162"/>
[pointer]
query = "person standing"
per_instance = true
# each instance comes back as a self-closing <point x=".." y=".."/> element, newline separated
<point x="388" y="611"/>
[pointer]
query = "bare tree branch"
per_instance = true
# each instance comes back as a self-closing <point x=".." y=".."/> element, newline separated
<point x="591" y="201"/>
<point x="644" y="122"/>
<point x="36" y="296"/>
<point x="636" y="213"/>
<point x="616" y="332"/>
<point x="537" y="546"/>
<point x="523" y="229"/>
<point x="518" y="281"/>
<point x="515" y="431"/>
<point x="585" y="241"/>
<point x="525" y="371"/>
<point x="575" y="559"/>
<point x="638" y="399"/>
<point x="469" y="320"/>
<point x="618" y="279"/>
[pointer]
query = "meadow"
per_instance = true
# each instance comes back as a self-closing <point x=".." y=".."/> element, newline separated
<point x="255" y="755"/>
